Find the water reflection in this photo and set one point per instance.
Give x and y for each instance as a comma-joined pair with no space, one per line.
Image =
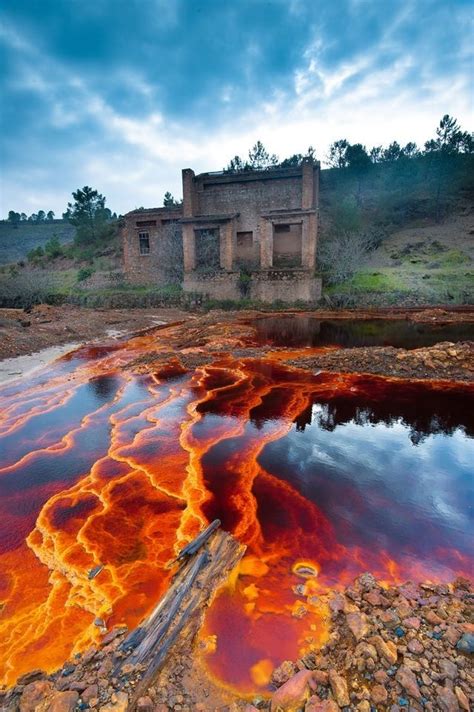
295,331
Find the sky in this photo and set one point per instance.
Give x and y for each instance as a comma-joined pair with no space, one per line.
122,94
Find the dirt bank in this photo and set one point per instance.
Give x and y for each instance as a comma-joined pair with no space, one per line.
44,326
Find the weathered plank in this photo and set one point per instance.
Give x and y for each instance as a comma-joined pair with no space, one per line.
205,564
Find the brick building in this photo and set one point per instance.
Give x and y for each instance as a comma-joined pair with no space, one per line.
260,224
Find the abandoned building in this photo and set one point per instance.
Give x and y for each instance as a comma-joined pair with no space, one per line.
245,234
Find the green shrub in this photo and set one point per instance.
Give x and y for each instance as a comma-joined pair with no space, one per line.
84,273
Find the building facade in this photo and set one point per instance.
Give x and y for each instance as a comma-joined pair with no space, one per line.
247,234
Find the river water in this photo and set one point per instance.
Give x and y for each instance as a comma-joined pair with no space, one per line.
321,476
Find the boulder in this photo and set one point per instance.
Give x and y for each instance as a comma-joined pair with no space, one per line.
63,701
339,688
358,625
34,694
406,678
293,694
447,700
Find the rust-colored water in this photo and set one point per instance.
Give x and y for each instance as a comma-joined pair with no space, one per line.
321,476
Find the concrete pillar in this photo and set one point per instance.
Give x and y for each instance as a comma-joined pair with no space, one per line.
189,201
307,202
266,244
226,240
189,248
309,241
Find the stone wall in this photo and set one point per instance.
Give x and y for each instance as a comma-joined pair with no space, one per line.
265,286
148,268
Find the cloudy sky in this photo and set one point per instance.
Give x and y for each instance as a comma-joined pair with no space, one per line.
122,94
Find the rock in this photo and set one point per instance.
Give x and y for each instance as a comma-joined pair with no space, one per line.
358,625
33,694
389,618
462,699
31,676
247,708
145,704
337,603
452,634
320,677
447,700
466,643
448,669
63,701
387,650
406,678
363,706
366,650
119,704
339,689
415,647
381,677
283,673
366,581
292,694
315,705
378,694
432,618
413,623
89,693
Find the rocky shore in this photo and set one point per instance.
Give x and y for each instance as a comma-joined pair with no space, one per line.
398,648
443,361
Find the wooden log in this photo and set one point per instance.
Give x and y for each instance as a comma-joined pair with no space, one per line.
206,563
201,539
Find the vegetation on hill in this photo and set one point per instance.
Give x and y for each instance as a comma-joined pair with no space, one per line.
395,228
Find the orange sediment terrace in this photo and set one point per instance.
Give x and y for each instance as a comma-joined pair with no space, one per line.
105,467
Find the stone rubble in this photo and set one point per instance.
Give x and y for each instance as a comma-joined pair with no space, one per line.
405,648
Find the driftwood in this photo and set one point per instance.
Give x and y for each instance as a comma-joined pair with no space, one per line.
205,564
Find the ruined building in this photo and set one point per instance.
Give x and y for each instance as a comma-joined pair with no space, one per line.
246,234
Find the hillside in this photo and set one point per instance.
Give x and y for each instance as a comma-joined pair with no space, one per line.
17,240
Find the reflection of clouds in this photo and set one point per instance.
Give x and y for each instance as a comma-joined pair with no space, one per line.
373,480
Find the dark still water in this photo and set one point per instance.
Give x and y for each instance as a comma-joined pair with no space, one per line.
295,330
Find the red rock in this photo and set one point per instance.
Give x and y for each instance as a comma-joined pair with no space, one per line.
283,672
386,650
381,677
389,618
406,678
462,699
358,625
378,694
321,706
34,693
447,700
376,599
337,603
452,634
413,623
339,688
415,647
63,701
320,677
293,693
119,703
31,676
90,692
145,704
247,708
432,618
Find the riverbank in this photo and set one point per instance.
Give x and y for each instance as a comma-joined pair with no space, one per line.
28,332
399,647
25,332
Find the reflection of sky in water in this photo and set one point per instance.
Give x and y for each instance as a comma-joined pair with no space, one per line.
377,486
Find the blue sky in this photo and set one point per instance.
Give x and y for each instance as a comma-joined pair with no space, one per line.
122,94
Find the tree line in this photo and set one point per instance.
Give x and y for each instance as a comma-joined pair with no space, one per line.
40,217
449,139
